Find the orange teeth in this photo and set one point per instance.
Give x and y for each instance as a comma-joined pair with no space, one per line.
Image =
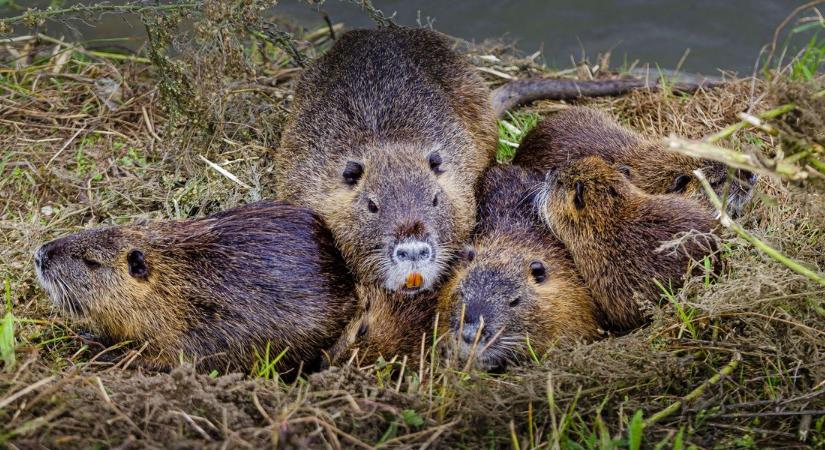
414,280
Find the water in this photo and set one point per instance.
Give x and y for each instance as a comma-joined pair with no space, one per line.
726,34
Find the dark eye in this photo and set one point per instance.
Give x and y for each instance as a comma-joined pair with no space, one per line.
137,264
625,170
362,330
515,302
435,163
468,253
371,206
91,263
578,199
679,184
352,173
538,271
435,200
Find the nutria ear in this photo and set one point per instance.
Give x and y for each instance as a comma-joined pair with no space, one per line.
679,184
468,253
538,271
435,163
352,172
578,199
137,264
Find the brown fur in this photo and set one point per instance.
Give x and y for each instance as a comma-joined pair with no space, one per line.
215,289
387,325
580,131
497,272
387,99
613,230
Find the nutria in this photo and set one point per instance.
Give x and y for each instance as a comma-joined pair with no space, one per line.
615,233
387,324
516,283
389,133
581,131
217,289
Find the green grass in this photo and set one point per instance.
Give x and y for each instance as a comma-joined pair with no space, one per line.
810,61
7,340
510,132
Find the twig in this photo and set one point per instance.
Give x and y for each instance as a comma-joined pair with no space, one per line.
224,172
33,16
726,221
770,114
696,393
732,158
32,387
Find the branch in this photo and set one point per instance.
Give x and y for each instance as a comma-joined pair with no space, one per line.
34,16
726,221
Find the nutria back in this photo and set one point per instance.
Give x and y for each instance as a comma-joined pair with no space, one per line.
389,133
217,289
617,236
580,132
516,289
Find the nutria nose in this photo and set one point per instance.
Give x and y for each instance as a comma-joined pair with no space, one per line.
413,251
470,330
42,255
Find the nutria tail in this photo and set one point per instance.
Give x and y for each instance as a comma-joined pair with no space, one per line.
520,92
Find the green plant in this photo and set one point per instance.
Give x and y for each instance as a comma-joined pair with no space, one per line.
7,341
264,366
510,132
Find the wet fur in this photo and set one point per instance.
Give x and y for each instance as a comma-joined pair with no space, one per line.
581,131
614,239
507,239
216,288
387,98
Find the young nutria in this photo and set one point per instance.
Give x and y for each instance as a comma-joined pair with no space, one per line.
217,289
388,324
614,232
517,285
580,131
389,133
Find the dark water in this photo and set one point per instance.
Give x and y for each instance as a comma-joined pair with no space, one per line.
725,34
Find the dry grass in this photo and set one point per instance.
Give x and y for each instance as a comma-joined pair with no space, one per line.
70,161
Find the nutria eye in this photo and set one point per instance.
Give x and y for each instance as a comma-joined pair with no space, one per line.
515,302
578,199
538,271
435,200
352,173
137,264
467,253
435,163
625,170
90,263
371,206
362,330
679,184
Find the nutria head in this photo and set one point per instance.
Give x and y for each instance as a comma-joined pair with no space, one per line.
392,213
514,287
580,132
588,193
225,284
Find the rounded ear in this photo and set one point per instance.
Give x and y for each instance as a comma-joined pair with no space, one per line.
137,264
538,271
679,184
352,172
435,163
578,198
467,253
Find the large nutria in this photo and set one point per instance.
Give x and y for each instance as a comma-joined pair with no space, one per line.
615,233
517,283
580,131
389,133
389,325
216,289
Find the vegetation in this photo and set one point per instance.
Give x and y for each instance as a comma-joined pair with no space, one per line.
731,361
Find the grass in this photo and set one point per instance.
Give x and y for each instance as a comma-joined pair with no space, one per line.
510,132
730,361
